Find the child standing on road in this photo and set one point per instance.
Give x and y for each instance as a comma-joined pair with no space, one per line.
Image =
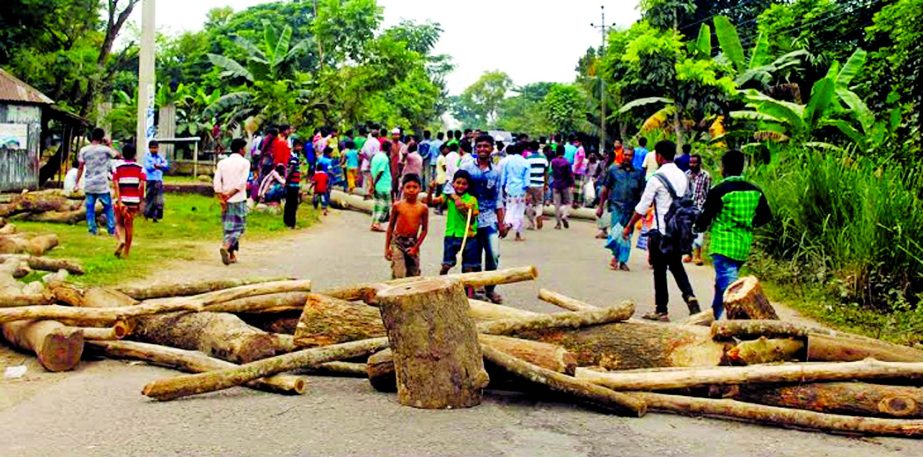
321,187
129,187
462,207
407,230
351,161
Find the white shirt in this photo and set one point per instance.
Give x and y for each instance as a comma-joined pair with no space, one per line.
656,193
232,173
70,182
369,149
451,166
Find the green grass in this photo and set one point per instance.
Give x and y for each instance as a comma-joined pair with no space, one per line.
191,229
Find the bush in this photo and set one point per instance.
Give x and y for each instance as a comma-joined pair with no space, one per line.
846,223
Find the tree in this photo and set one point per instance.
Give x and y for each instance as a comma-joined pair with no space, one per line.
565,108
482,99
524,112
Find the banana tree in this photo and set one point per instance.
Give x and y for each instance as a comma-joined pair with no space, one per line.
760,68
270,81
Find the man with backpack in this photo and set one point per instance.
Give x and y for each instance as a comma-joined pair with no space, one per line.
733,208
672,232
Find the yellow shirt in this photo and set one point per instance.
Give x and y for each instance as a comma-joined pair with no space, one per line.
440,170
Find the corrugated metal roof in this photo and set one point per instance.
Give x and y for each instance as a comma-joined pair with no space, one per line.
14,90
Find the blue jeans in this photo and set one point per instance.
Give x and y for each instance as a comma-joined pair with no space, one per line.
726,272
489,241
106,200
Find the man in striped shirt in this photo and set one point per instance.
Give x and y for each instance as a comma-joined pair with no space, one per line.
538,184
129,187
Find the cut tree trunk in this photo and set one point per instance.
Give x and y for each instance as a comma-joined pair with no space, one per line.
221,335
120,330
91,317
193,362
783,417
327,320
57,347
380,366
89,296
213,299
766,350
574,319
564,301
850,398
21,299
46,263
744,299
437,358
486,311
749,329
36,202
58,217
668,379
579,389
182,386
350,369
269,304
274,323
185,288
366,292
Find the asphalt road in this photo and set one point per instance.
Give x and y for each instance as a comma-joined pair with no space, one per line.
98,410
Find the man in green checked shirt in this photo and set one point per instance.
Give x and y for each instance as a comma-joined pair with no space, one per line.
733,209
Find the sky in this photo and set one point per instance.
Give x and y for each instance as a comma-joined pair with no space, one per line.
530,40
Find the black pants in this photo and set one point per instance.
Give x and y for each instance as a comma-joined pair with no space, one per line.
662,262
291,205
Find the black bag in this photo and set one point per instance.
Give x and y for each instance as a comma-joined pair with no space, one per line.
677,234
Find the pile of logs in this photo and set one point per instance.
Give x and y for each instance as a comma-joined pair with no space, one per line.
424,339
50,205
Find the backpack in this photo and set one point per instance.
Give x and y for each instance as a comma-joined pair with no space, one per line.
423,149
677,235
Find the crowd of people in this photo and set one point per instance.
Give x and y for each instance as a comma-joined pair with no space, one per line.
486,189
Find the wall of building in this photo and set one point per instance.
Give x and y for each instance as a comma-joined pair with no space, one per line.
19,165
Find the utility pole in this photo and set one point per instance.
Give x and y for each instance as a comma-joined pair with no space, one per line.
604,30
146,78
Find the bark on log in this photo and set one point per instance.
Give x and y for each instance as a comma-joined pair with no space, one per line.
748,329
850,398
798,372
17,300
194,362
437,358
89,296
706,317
744,299
215,298
351,369
559,321
380,366
327,320
38,202
8,229
766,350
181,386
579,389
486,311
783,417
269,304
366,292
274,323
57,347
46,263
58,217
221,335
91,317
185,288
564,301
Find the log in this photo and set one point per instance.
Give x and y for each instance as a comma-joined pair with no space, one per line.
57,347
22,299
120,330
216,298
366,292
185,288
783,417
744,299
58,217
89,296
8,229
437,358
564,301
351,369
850,398
274,323
559,321
47,263
181,386
486,311
380,366
38,202
193,362
766,350
90,317
14,244
41,244
747,329
327,320
668,379
220,335
283,344
582,391
270,303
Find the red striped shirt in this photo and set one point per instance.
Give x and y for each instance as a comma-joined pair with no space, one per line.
128,177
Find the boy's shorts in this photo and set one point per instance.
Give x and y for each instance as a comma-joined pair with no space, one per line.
471,258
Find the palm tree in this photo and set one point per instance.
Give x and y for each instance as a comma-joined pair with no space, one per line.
270,80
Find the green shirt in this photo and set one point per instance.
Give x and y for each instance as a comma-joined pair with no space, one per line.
732,209
456,220
360,142
381,164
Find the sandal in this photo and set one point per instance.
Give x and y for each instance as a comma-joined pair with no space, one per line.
495,298
655,316
225,256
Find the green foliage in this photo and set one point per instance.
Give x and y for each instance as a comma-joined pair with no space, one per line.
481,100
564,107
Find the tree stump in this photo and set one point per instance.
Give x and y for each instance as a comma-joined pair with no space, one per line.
57,347
744,299
852,398
437,357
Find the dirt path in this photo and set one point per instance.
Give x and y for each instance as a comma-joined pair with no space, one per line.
98,410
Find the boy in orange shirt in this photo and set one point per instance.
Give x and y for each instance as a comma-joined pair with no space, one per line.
407,230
